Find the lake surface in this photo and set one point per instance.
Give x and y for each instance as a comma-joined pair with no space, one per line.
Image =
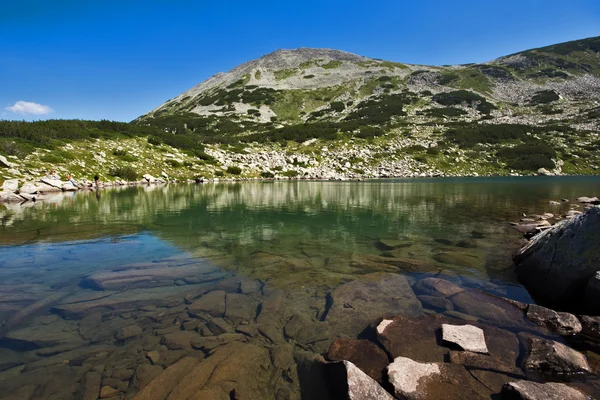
107,289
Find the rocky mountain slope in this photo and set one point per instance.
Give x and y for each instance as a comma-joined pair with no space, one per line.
318,113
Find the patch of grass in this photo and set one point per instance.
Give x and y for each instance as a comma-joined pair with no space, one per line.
285,73
444,112
544,97
258,75
173,163
332,65
290,173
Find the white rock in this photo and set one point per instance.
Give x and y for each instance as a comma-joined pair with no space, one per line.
404,374
5,163
361,386
382,325
10,185
468,337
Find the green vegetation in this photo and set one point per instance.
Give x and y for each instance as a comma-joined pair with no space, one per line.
285,73
544,97
258,75
446,112
234,170
382,110
464,97
332,65
528,156
126,173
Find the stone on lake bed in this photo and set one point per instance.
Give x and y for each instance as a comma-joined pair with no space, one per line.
128,332
468,337
212,303
358,303
365,354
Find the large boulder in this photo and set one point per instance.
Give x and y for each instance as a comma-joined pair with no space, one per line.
557,264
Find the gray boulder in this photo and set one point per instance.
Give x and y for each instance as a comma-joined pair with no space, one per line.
557,264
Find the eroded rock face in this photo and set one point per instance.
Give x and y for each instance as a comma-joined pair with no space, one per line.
559,322
550,357
527,390
590,326
557,264
357,304
362,353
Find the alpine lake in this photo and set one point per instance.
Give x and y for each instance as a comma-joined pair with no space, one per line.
249,283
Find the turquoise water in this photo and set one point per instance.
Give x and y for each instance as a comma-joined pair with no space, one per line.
292,236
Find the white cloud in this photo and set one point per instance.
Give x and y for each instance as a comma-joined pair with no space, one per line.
27,107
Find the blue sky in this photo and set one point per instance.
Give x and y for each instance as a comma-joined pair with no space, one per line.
117,59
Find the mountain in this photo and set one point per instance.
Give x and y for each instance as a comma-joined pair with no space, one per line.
300,85
329,114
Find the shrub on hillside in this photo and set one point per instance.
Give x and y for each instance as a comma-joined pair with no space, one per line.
529,156
126,173
544,97
234,170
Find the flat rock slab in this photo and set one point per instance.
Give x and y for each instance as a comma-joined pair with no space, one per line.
364,354
212,303
433,381
468,337
240,308
526,390
357,304
359,386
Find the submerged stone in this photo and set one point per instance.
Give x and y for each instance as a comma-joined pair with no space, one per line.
363,353
359,303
